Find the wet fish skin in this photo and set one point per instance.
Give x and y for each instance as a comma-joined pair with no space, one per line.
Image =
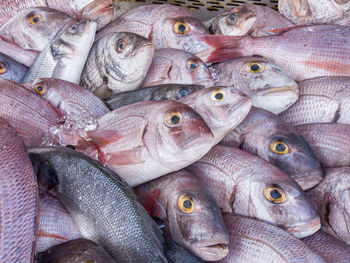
114,219
331,200
304,52
201,230
238,181
30,35
171,65
329,142
18,198
75,251
178,254
117,62
11,69
270,87
158,92
255,241
260,129
329,248
56,226
65,56
248,19
322,100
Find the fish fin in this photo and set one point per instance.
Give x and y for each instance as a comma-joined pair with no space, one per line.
147,199
104,137
127,157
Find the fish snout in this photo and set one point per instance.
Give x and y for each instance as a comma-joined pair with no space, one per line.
213,249
304,230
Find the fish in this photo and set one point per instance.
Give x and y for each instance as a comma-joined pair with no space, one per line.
329,142
65,56
11,69
247,185
178,254
316,11
171,65
189,211
331,200
255,241
167,26
117,62
56,226
322,100
75,251
248,19
103,206
266,135
34,28
19,207
304,52
329,248
269,86
146,140
31,116
158,92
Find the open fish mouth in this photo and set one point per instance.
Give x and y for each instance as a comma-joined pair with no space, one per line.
305,230
211,252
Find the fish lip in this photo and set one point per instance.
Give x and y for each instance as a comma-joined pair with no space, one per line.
197,141
309,180
269,90
140,47
212,251
304,230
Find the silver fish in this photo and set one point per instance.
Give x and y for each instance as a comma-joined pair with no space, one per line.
11,69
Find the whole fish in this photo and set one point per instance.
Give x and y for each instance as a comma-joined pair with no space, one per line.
19,206
178,254
329,248
190,213
329,142
117,62
268,86
31,116
247,185
171,65
146,140
316,11
75,251
65,56
322,100
248,19
56,226
268,136
167,26
34,28
159,92
103,206
304,52
331,200
11,69
255,241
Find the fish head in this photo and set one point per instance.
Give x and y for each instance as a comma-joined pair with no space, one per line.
194,219
11,69
177,134
267,84
222,108
295,10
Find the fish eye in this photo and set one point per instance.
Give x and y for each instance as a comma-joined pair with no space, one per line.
185,204
174,119
279,147
218,95
2,68
192,64
40,88
34,19
121,44
181,27
255,67
275,194
231,19
183,93
73,29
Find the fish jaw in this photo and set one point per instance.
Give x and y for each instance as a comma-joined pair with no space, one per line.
309,180
304,230
211,250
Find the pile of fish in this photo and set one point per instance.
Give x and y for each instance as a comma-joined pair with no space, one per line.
153,136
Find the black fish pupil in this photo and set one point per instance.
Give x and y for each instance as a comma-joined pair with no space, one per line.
1,66
280,147
36,19
120,44
40,88
187,204
254,67
219,96
181,28
175,119
193,66
183,93
275,194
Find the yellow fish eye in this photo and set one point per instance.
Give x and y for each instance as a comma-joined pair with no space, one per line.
3,68
255,67
181,27
35,19
275,194
218,95
185,204
279,147
174,118
40,88
192,64
121,44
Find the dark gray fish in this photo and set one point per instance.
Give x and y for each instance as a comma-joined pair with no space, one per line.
178,254
11,69
159,92
104,207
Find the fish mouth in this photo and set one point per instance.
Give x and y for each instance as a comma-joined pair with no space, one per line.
308,181
269,90
305,230
195,142
211,252
140,48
